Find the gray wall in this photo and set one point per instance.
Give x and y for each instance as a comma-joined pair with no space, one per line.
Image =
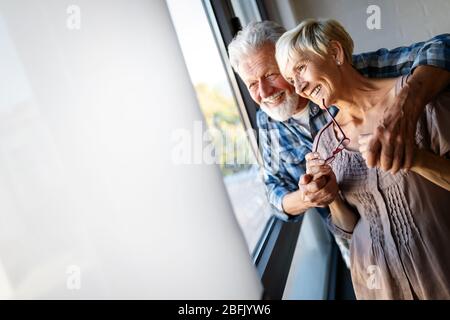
402,21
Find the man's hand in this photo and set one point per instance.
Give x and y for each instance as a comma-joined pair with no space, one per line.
392,144
318,186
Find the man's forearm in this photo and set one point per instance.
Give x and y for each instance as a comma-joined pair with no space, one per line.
293,203
432,167
392,144
426,82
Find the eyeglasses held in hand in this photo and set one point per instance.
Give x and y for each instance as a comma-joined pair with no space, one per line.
343,142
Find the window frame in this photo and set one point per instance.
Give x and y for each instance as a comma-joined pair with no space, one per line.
274,251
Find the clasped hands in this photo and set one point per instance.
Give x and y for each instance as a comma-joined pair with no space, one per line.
318,187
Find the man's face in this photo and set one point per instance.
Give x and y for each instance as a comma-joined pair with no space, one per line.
276,97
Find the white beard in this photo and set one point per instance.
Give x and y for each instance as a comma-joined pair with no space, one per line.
284,110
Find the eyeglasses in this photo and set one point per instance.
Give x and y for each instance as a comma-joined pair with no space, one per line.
342,143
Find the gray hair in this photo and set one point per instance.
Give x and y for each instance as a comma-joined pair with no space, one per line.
312,35
252,37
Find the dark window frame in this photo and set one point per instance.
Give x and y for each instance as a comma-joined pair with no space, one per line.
275,249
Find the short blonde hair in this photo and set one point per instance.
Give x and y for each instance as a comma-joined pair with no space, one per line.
313,36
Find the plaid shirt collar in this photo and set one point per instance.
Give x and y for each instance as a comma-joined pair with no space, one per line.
317,119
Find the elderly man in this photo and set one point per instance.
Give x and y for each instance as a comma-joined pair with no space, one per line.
289,123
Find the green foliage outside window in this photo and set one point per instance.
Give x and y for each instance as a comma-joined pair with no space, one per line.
230,140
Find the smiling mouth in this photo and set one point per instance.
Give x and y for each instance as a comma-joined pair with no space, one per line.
316,91
275,99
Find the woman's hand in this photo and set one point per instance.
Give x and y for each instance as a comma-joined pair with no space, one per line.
341,214
318,174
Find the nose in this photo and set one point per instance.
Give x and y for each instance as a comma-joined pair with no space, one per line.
265,89
300,87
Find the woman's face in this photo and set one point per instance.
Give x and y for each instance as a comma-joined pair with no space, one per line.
314,78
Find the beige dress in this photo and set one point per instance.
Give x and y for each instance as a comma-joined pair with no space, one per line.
400,247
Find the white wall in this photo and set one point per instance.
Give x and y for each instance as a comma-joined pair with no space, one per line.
281,11
402,21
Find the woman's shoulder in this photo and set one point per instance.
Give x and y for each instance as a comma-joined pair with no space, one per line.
400,83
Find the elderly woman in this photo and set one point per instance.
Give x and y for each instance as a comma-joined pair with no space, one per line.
399,225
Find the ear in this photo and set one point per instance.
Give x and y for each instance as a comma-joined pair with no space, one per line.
336,51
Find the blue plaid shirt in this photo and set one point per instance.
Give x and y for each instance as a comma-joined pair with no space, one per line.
284,144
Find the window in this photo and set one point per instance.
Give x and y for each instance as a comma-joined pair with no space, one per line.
238,163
